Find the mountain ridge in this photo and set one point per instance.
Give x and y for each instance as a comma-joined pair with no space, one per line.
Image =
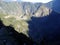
20,8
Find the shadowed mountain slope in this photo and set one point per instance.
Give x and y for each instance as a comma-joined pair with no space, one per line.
45,30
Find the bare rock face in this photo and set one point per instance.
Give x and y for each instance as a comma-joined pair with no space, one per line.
56,6
42,11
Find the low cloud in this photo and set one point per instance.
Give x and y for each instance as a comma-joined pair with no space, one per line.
44,1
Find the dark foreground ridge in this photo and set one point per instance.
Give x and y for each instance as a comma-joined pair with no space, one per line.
8,36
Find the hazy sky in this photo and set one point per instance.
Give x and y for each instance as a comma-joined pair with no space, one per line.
44,1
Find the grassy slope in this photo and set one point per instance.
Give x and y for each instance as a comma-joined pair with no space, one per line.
19,25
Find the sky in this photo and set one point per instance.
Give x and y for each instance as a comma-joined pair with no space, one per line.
34,1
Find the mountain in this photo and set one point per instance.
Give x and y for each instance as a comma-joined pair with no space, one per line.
43,28
21,8
17,13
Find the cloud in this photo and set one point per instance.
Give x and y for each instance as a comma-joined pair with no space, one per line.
44,1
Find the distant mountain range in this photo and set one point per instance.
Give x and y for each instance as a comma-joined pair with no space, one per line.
25,8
